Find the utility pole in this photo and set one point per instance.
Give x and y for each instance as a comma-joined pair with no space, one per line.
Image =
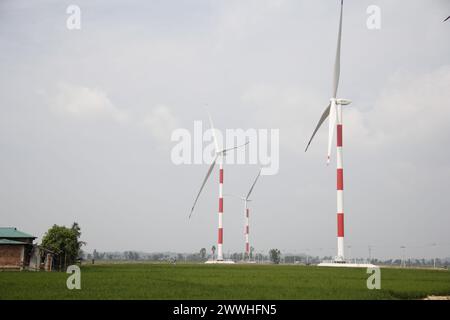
434,254
349,255
403,263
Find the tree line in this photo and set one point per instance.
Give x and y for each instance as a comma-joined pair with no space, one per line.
66,245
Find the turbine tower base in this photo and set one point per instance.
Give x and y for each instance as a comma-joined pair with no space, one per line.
219,262
346,264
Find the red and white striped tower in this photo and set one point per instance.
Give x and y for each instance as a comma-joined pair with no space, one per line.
247,243
340,185
220,155
220,234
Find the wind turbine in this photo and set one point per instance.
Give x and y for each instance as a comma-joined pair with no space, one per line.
334,112
246,199
219,157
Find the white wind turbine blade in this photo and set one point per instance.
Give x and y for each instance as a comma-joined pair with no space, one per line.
216,144
204,182
337,62
321,120
331,126
235,147
253,185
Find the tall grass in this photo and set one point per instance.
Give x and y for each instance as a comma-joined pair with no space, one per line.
197,281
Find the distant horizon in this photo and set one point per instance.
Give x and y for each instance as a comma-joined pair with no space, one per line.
265,251
446,259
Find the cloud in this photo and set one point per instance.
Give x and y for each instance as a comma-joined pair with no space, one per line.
239,19
91,103
161,122
294,111
84,102
410,109
415,105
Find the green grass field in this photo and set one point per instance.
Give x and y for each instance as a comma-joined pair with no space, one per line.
198,281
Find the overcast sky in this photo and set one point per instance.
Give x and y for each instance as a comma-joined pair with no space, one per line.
86,118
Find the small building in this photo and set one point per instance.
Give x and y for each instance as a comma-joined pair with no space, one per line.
41,258
15,248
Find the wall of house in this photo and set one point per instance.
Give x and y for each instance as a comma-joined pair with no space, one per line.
11,255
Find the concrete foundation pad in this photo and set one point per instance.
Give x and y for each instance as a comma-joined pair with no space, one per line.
347,265
219,262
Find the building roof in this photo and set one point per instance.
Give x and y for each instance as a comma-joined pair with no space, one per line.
6,241
14,233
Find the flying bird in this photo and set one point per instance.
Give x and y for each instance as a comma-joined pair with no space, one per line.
447,18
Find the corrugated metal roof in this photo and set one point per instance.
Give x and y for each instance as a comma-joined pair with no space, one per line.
13,233
6,241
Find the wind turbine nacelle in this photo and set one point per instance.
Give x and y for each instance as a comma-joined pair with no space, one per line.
343,102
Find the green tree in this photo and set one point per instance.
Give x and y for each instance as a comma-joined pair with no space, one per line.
77,231
275,255
203,253
213,249
65,242
251,252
